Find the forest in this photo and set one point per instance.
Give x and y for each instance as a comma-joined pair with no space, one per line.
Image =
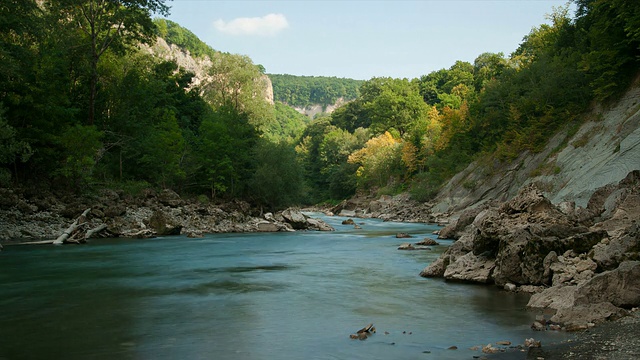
302,91
84,106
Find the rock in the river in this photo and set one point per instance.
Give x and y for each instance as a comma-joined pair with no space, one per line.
295,218
427,242
406,246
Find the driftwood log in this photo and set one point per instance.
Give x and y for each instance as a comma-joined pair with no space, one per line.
364,333
95,231
65,237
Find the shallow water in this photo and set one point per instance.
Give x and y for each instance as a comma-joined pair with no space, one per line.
248,296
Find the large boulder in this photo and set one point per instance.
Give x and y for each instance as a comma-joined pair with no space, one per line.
456,229
295,218
603,297
458,249
514,239
162,224
610,252
170,198
621,287
471,268
318,225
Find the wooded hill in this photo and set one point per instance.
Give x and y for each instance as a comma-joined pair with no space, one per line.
303,91
83,110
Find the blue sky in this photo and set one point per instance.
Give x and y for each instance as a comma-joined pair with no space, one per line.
361,39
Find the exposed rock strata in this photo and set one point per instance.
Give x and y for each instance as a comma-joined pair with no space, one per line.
583,255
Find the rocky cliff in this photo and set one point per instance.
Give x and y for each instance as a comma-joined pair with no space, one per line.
199,66
561,223
315,109
573,165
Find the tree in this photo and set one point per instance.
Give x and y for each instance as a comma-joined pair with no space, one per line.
392,104
11,148
236,82
108,24
277,180
380,161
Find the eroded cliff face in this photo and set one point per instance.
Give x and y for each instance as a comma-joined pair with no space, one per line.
602,152
199,66
313,110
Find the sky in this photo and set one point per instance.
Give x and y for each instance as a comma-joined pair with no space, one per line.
361,39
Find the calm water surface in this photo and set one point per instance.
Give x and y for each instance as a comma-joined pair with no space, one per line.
248,296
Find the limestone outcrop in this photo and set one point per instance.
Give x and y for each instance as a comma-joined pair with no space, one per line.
570,168
583,256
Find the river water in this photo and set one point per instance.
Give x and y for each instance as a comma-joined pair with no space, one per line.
248,296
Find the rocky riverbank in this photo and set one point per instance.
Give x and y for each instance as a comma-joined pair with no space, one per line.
34,216
580,263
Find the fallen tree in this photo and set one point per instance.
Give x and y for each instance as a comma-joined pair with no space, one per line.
70,235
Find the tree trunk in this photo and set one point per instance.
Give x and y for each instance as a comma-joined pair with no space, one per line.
65,235
94,231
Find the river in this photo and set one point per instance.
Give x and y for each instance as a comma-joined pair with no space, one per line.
248,296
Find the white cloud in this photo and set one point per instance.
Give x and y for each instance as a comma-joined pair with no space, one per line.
267,25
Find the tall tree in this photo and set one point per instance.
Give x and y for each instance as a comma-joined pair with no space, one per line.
108,24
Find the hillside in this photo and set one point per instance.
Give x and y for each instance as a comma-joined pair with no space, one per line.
313,95
570,168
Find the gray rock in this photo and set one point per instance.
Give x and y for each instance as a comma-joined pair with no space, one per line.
406,246
470,267
621,287
610,252
295,218
427,242
319,225
170,198
436,268
266,226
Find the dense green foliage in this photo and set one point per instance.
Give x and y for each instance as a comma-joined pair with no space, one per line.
175,34
302,91
82,109
425,130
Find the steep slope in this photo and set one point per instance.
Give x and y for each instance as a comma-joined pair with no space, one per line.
197,65
572,166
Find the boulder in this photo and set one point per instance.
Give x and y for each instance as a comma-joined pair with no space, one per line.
610,252
427,242
318,225
162,224
266,226
471,268
621,287
601,298
580,316
170,198
295,218
436,268
406,246
455,230
403,235
553,298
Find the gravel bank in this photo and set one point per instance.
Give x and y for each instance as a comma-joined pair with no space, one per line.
614,340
